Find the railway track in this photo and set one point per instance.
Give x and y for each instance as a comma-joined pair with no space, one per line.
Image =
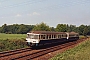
29,54
12,52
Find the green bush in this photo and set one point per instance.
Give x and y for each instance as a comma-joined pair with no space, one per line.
2,46
12,44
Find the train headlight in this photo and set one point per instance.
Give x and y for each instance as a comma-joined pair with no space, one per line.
34,41
67,37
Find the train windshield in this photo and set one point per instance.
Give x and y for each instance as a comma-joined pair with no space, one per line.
31,36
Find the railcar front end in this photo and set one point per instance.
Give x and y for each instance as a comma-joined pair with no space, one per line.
32,39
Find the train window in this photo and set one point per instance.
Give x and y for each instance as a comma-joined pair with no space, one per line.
72,35
49,36
46,36
39,36
31,36
59,36
65,35
35,36
77,35
54,36
43,36
62,35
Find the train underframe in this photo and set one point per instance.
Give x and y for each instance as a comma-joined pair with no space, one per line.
51,41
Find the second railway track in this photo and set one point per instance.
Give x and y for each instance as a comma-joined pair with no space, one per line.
12,52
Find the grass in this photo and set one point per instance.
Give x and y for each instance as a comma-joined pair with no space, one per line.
12,36
80,52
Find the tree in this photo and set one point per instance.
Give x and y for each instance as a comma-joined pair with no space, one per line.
52,28
22,29
85,31
13,28
88,30
41,27
16,28
4,28
61,28
72,28
81,29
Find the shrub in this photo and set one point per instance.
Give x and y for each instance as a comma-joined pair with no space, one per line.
12,44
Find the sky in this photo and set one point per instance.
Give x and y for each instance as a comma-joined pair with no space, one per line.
51,12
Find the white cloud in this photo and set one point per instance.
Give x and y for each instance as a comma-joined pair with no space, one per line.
18,15
34,14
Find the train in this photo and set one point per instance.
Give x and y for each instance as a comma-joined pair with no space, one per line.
40,38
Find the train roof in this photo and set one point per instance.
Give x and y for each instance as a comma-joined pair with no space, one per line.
73,33
50,32
46,32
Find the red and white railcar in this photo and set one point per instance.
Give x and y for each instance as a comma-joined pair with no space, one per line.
37,38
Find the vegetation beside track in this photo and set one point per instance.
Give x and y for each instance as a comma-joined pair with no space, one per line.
80,52
6,45
12,41
81,37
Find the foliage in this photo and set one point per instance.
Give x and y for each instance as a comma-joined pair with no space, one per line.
41,27
85,31
52,29
16,29
72,28
61,28
12,44
80,52
81,29
4,28
12,41
23,29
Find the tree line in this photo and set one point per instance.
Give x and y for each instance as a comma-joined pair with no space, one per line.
23,29
16,28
